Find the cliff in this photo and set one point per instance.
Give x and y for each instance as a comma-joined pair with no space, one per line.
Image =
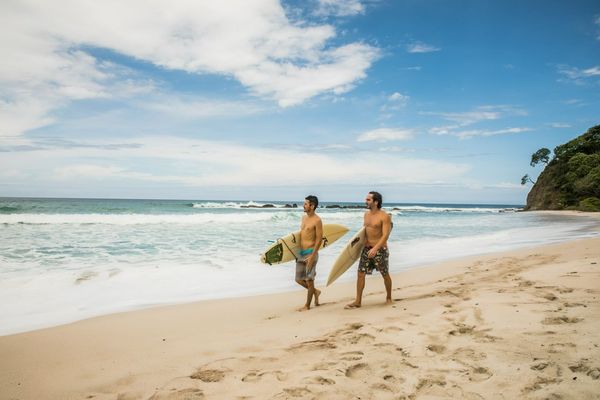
571,180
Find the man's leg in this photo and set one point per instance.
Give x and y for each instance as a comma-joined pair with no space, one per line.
387,280
360,285
309,293
302,283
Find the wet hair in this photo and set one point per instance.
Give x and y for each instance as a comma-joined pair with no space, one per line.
313,200
378,198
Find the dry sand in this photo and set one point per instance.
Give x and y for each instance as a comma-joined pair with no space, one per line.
520,324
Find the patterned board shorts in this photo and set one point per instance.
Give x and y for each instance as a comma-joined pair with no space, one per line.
301,269
379,262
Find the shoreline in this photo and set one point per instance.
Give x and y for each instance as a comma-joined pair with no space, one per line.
414,250
451,312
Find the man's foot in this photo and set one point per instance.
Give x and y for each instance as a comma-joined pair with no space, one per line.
388,301
352,305
317,294
305,308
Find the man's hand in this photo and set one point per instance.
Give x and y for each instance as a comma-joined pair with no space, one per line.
372,253
310,262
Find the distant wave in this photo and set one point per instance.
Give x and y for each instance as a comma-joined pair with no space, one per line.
451,209
9,209
249,204
133,219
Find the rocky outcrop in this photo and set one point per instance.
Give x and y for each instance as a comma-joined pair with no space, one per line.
571,180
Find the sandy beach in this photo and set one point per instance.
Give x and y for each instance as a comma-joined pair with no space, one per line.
519,324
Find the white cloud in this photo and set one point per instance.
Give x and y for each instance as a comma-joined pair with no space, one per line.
398,97
485,132
385,135
420,47
395,102
577,75
559,125
339,8
480,114
202,163
44,50
198,108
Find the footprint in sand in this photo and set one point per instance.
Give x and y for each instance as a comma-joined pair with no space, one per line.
560,347
565,289
479,374
539,383
540,366
359,370
318,380
183,394
526,283
384,344
430,382
361,338
561,320
547,295
393,379
209,375
255,376
462,329
324,366
382,387
391,329
313,345
352,356
297,392
436,348
463,353
583,367
570,305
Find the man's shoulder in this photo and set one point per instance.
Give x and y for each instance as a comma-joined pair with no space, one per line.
384,215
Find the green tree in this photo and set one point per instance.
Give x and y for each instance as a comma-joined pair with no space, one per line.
542,155
526,179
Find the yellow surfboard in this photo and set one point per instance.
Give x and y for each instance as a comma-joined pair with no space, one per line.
287,248
348,256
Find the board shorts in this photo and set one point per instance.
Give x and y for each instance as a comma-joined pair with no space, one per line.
301,271
379,262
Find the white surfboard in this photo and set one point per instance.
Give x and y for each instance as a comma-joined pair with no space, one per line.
348,256
287,248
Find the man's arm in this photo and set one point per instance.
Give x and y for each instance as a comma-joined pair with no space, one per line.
318,241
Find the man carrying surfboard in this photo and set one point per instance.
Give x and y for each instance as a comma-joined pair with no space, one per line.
375,254
311,234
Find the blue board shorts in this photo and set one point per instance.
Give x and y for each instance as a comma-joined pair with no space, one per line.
301,268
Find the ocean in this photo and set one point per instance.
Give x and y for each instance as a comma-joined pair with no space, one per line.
63,260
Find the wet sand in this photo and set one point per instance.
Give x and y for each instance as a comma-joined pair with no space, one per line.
519,324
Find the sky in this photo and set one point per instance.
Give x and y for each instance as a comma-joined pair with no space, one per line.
429,101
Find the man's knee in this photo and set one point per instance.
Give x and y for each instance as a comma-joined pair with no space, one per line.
300,282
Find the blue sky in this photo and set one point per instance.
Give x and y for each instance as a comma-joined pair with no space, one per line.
425,101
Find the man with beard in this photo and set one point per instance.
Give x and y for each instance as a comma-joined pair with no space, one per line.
375,254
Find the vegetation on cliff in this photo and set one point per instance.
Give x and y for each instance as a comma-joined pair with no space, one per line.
571,179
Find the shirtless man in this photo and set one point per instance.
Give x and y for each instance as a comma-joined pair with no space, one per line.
311,234
375,254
